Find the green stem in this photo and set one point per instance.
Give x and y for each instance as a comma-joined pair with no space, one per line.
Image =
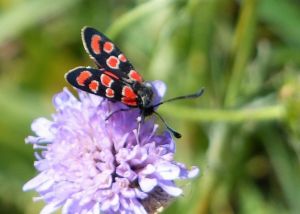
215,154
242,46
216,115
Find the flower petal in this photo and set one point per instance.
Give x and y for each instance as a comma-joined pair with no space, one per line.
168,171
137,207
149,169
139,194
170,188
159,89
96,209
147,184
51,207
67,206
103,180
45,186
63,99
128,193
185,173
125,171
193,172
36,181
42,127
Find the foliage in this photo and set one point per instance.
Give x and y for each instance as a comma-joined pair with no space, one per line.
243,133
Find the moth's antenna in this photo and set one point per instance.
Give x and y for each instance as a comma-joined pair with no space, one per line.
189,96
175,134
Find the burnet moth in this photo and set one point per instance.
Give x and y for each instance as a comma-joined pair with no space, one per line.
115,78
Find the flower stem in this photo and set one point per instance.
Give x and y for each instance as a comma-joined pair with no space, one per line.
214,115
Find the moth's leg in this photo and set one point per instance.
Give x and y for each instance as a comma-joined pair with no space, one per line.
116,111
141,119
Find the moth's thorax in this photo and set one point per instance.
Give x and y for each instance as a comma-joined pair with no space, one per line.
145,94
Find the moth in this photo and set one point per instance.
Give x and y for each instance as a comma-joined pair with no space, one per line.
115,78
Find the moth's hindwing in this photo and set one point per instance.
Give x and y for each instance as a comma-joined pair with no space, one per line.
103,83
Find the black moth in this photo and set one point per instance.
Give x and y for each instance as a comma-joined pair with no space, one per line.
115,78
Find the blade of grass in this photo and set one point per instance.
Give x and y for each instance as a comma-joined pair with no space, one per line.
30,13
143,10
242,46
283,18
285,166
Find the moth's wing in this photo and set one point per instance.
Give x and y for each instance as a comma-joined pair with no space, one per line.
102,83
107,55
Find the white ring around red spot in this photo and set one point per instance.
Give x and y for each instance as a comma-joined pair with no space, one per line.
94,86
109,93
122,58
106,80
108,47
113,62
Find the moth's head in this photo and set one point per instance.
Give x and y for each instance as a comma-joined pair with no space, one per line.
145,94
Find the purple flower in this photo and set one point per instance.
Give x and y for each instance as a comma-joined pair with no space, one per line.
89,165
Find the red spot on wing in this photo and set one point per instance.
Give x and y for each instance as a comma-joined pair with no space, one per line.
106,80
113,62
95,44
134,75
111,74
82,77
128,101
93,86
128,93
108,47
122,58
110,93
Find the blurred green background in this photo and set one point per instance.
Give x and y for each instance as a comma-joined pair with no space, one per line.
243,133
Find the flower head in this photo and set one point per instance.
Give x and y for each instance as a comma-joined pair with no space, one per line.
89,165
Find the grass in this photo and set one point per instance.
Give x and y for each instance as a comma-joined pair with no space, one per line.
243,132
